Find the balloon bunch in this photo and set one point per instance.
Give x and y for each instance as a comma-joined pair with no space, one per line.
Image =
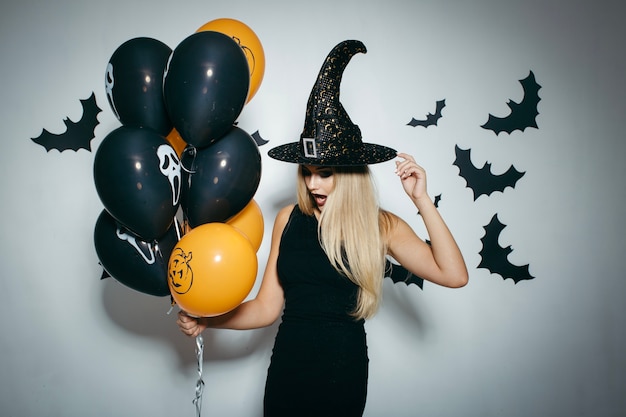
177,154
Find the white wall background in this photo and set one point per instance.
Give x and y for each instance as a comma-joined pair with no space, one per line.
73,345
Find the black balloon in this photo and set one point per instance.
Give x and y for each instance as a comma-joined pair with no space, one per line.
221,179
205,86
135,263
138,179
134,84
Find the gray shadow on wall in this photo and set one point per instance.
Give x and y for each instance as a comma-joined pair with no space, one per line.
399,302
147,316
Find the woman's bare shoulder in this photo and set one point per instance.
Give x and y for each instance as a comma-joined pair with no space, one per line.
285,211
283,215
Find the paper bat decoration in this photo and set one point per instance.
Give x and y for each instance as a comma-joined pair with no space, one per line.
258,139
523,114
436,202
482,180
105,274
398,273
431,119
77,134
494,256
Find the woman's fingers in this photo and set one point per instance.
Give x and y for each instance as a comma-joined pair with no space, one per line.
408,167
187,324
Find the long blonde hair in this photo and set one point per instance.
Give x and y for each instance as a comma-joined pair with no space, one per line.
352,231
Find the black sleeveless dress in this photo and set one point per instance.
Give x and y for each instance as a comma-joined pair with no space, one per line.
319,363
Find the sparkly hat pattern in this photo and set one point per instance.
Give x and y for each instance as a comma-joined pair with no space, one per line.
329,137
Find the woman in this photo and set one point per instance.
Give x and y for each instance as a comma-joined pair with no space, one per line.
327,258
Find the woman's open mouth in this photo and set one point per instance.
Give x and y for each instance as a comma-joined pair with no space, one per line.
319,199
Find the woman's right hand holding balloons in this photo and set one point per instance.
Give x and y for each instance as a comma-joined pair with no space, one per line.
191,326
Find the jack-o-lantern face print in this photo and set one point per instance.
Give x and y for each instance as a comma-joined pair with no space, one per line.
180,272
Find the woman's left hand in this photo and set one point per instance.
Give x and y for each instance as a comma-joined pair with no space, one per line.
413,177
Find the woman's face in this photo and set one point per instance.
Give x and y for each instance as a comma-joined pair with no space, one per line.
319,181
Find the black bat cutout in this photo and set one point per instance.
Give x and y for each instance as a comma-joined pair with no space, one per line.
105,274
258,139
431,119
523,114
436,202
482,180
494,256
397,273
77,134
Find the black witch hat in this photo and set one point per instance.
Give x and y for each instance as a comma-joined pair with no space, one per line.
329,137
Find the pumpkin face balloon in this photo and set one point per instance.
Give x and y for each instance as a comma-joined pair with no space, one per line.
180,274
211,270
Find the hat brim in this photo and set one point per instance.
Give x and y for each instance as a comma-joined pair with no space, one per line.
370,153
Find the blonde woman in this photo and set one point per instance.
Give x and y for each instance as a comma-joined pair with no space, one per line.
327,258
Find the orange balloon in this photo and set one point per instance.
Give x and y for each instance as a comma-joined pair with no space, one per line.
249,42
177,142
249,221
211,270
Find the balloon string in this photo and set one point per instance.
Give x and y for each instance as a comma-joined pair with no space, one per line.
200,384
172,304
158,253
178,228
